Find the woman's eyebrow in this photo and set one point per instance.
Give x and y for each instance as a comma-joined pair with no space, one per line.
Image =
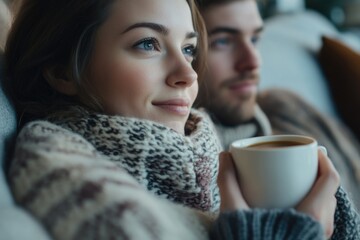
192,35
154,26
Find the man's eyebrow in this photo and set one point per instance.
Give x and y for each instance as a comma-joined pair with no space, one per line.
158,28
231,30
223,30
259,29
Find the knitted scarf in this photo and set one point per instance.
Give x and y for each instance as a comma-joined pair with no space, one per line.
169,164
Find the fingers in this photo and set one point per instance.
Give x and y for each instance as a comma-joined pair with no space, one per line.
328,176
320,203
231,197
327,183
330,220
323,150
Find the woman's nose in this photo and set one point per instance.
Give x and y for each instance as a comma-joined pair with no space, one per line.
182,74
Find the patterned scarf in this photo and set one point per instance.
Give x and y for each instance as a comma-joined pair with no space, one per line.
169,164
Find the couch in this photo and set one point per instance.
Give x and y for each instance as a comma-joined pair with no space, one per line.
15,222
289,47
304,53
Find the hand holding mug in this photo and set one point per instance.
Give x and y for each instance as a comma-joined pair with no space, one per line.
230,194
322,179
320,202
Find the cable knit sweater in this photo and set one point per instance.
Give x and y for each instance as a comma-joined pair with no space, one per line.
91,176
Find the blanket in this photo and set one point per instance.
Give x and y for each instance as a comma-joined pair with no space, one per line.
288,113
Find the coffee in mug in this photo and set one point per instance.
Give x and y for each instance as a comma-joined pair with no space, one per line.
274,144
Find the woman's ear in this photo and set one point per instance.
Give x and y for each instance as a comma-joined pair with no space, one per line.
58,79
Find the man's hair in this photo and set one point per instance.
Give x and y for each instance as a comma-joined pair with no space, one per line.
203,4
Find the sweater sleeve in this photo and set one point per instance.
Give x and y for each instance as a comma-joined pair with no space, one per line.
347,219
288,224
76,194
266,225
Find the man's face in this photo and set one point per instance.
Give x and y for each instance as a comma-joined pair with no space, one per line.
233,62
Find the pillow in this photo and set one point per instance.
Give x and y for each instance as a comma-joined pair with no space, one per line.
341,66
299,36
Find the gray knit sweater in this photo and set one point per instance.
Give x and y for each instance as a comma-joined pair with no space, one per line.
261,224
286,224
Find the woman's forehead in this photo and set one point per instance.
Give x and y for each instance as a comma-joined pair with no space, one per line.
174,13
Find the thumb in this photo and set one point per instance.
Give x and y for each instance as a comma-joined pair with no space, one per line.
231,197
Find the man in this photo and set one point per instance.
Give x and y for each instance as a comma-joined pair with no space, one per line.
232,77
230,91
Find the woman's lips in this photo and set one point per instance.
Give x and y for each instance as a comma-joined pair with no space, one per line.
175,106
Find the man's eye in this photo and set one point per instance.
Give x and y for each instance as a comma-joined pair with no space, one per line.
255,39
147,44
220,42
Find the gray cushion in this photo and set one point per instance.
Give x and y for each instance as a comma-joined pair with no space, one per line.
8,118
17,224
7,131
289,49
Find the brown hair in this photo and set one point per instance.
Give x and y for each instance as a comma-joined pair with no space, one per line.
60,35
203,4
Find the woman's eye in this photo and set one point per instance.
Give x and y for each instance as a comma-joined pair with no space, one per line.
190,51
148,44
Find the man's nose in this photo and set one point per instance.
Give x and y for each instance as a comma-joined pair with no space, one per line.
247,57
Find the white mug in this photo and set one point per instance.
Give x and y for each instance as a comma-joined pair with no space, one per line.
277,176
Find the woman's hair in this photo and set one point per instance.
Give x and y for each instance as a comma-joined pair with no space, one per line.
59,36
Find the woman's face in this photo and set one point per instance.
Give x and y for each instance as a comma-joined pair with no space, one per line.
141,65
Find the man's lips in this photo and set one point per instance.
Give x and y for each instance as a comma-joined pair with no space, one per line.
243,86
175,106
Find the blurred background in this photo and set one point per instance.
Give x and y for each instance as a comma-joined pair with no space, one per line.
344,14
